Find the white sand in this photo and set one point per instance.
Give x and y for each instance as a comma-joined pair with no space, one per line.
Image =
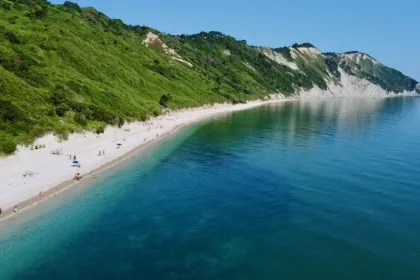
51,170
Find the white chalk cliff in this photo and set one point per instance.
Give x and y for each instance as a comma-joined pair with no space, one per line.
355,74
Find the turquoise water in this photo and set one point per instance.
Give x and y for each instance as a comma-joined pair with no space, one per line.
298,190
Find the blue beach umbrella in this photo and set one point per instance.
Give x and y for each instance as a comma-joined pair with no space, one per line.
75,162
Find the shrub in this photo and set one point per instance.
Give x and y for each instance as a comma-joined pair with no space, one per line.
9,112
7,145
164,99
144,118
60,95
64,135
12,20
120,121
5,5
62,109
12,37
41,13
62,131
104,115
100,129
79,107
38,13
162,71
80,118
156,112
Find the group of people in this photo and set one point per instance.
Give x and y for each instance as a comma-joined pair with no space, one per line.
14,210
70,157
28,173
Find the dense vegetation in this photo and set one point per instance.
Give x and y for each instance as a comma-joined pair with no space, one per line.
245,70
332,60
304,45
64,69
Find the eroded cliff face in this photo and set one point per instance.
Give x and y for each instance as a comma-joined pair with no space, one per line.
345,74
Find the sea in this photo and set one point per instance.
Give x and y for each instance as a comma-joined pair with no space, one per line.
312,189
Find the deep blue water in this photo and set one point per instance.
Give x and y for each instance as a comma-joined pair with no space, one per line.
298,190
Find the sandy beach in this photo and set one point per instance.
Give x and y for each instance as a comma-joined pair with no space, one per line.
30,176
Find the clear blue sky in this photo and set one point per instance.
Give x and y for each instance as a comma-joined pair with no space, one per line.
389,30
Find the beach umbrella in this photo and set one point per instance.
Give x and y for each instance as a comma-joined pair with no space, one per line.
119,144
75,162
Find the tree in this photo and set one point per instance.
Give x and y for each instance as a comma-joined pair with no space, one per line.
38,13
72,6
304,45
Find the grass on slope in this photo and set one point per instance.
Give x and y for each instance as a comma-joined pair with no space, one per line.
59,70
66,69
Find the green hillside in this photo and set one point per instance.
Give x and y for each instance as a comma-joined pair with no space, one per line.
65,69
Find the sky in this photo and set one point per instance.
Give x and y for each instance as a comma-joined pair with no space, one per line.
388,30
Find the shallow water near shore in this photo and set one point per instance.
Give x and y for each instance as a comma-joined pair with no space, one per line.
296,190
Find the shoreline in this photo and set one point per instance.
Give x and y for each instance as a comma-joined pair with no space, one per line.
49,191
59,183
87,178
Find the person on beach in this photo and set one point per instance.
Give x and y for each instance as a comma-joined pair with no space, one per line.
74,158
103,152
69,157
100,154
0,211
77,177
16,209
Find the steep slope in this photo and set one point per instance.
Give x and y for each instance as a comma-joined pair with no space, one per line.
64,69
366,67
347,74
